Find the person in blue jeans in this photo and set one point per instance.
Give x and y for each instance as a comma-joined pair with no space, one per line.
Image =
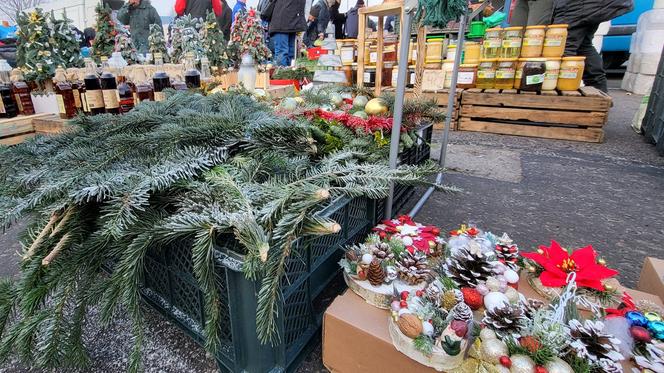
287,20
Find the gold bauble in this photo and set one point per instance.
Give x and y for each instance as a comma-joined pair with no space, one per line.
522,364
492,349
558,365
376,106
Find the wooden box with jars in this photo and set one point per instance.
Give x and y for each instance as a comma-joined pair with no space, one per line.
577,115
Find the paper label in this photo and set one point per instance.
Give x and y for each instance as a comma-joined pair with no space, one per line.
465,77
505,74
551,75
395,76
373,57
534,79
347,55
111,98
95,99
84,103
2,107
136,99
553,42
492,43
61,104
19,103
412,78
513,43
488,74
366,77
568,74
77,98
532,42
159,96
414,54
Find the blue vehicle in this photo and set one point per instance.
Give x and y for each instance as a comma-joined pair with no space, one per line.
615,47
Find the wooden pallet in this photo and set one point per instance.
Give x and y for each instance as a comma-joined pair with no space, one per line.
18,129
565,115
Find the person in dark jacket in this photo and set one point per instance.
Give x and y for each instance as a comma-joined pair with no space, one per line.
139,15
532,12
319,17
198,8
287,21
225,21
352,20
88,37
338,20
583,18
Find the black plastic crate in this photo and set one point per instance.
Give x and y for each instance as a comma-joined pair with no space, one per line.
170,287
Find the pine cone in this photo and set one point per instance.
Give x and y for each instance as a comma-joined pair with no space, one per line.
413,268
506,320
376,275
351,256
531,306
469,267
507,252
462,312
590,342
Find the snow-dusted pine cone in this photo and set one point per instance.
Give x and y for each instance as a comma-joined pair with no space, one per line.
530,306
506,320
507,252
462,312
590,342
469,267
413,268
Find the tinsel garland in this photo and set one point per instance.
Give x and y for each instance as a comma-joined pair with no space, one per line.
369,125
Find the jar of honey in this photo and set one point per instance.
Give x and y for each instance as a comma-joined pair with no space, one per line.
486,73
448,67
530,74
347,52
554,41
471,52
533,39
493,38
434,50
369,77
467,75
511,44
571,73
505,71
551,74
451,52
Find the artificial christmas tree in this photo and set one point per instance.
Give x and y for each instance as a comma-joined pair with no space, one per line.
157,42
214,42
248,37
186,38
104,43
66,47
35,52
125,46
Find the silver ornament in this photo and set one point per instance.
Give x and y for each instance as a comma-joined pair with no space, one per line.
522,364
491,350
391,274
558,365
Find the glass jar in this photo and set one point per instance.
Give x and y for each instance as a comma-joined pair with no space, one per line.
511,44
410,76
369,77
492,42
551,74
386,79
467,76
471,52
505,70
531,74
434,50
486,73
448,67
373,54
347,52
451,52
571,73
554,41
533,39
390,51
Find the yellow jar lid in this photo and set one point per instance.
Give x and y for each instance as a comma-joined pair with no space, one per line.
533,59
553,58
536,27
493,29
559,26
507,59
448,61
451,46
488,60
468,65
471,43
513,28
574,58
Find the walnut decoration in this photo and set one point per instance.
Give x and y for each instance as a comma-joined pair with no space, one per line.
410,325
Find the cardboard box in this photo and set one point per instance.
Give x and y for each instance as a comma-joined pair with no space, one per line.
652,277
356,337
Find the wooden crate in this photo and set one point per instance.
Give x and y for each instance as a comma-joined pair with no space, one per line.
565,115
18,129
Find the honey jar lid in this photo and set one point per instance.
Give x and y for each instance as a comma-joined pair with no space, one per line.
536,27
534,59
574,58
468,65
563,25
507,59
513,28
493,29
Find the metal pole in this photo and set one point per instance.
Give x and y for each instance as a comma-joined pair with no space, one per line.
398,102
448,118
506,9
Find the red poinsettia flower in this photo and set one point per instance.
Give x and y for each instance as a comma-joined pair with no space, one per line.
558,264
626,305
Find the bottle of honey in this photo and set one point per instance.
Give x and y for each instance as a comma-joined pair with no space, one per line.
72,77
21,92
64,94
125,90
142,87
160,79
94,98
109,88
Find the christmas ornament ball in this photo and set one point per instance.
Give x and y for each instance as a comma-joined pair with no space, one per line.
505,361
636,318
360,101
486,334
657,328
640,333
493,284
522,364
376,106
558,365
395,305
541,369
512,294
472,298
501,369
367,258
482,289
427,328
492,350
494,299
653,316
511,276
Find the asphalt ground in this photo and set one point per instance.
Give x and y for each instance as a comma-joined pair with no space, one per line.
608,195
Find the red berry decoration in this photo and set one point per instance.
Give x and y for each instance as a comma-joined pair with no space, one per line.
514,285
460,327
505,361
640,334
419,293
403,304
472,298
404,295
540,369
530,343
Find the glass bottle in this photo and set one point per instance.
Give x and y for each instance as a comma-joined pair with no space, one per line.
160,79
72,77
192,77
21,92
8,108
109,88
142,88
64,94
93,94
125,91
206,76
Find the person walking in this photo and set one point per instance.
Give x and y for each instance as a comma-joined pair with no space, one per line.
583,18
532,12
139,15
352,20
319,17
287,20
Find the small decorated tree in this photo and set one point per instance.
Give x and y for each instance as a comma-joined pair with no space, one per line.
187,37
157,42
124,45
66,47
248,36
214,43
104,43
35,53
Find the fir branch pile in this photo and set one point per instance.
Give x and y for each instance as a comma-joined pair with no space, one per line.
190,167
